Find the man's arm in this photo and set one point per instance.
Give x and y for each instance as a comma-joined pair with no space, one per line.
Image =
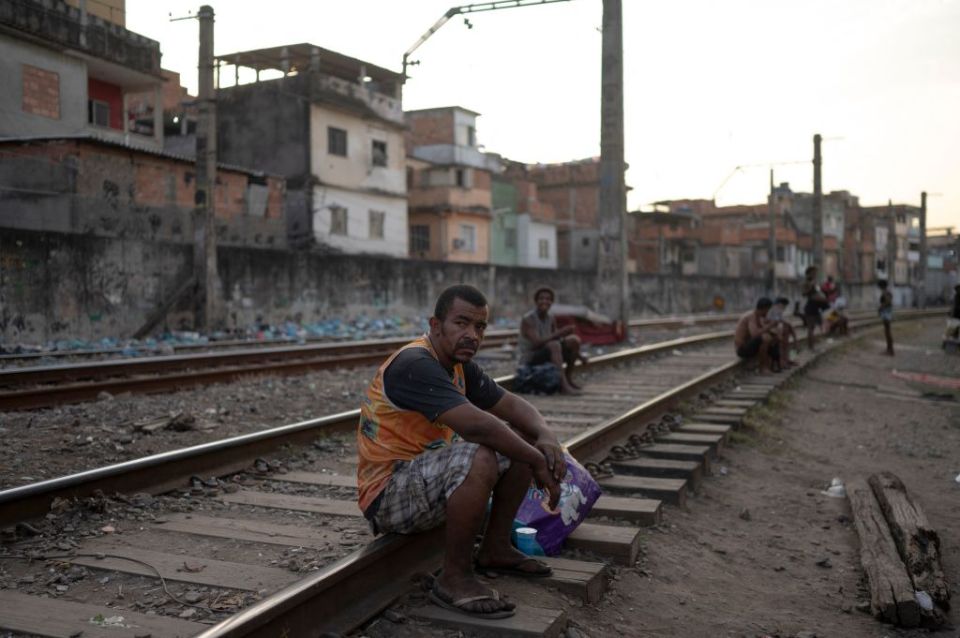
477,426
518,412
530,332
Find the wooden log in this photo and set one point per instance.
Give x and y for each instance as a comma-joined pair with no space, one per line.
891,592
917,542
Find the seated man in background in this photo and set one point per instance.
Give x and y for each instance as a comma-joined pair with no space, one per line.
787,333
541,341
755,337
437,437
837,322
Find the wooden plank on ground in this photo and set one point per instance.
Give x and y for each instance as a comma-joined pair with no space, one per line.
715,441
54,618
714,409
183,568
582,579
891,592
916,540
620,544
712,417
318,478
669,490
330,506
698,453
526,623
251,531
662,467
706,428
642,511
735,403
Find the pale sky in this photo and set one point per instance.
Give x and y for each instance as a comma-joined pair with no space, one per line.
710,84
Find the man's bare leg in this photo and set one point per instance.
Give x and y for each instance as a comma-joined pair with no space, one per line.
496,549
571,354
556,358
888,333
764,365
466,508
810,328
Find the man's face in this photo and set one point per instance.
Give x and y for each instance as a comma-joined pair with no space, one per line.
544,300
762,312
458,337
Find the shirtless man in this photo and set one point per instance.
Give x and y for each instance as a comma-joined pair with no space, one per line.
754,336
437,437
885,310
541,341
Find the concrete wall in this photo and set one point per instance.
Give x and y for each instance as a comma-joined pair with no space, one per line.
358,206
529,235
356,170
72,75
55,286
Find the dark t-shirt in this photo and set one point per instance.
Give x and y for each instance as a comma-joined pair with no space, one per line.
416,381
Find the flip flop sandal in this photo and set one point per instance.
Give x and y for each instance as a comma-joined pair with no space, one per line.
515,570
460,604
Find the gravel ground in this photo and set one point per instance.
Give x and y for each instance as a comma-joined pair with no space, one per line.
44,444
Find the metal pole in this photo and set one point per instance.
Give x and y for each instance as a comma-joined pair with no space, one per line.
612,247
817,214
772,243
205,246
922,270
891,245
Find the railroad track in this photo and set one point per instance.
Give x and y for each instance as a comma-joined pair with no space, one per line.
45,385
234,550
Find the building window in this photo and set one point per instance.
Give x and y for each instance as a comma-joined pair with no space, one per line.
376,224
336,141
419,239
338,220
41,92
461,177
379,153
780,256
471,136
98,113
510,238
467,242
544,247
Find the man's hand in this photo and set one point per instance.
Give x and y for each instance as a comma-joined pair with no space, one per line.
545,481
565,331
549,446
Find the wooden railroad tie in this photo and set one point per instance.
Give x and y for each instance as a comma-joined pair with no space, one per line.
692,471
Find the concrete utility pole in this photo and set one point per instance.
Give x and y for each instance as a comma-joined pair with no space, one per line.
891,244
612,248
772,243
204,223
922,270
817,214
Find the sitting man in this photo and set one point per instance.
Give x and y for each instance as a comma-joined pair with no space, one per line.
754,336
541,341
786,331
437,437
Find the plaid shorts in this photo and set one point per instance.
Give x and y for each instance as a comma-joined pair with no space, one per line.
415,498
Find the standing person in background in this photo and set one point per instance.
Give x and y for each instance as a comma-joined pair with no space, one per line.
816,301
886,313
541,341
830,290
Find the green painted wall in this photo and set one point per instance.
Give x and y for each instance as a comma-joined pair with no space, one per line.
503,226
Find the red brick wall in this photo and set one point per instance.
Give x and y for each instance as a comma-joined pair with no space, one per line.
430,128
41,92
112,95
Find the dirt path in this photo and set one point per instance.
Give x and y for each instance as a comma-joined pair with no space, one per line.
792,564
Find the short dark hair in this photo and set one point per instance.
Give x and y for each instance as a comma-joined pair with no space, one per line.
783,301
809,270
763,302
460,291
553,293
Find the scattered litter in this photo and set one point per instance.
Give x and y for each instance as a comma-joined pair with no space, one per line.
677,352
836,489
109,621
957,479
723,470
923,599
